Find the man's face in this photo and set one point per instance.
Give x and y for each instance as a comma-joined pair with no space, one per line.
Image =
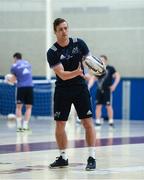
62,31
15,59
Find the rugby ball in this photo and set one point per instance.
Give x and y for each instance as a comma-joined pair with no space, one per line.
11,120
11,116
9,79
96,65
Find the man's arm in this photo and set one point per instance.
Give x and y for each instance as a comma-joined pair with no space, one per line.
116,77
66,75
13,78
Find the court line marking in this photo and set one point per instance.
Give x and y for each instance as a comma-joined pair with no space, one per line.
40,146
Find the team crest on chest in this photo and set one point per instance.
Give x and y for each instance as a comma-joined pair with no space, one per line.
75,50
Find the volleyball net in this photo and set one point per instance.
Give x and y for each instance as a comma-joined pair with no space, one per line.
43,98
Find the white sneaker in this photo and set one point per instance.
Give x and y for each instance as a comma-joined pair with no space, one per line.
26,129
98,122
111,122
19,129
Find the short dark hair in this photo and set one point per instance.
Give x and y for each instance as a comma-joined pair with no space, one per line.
104,56
17,55
57,22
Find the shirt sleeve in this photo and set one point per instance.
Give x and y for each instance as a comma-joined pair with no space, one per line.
12,70
52,58
113,70
83,47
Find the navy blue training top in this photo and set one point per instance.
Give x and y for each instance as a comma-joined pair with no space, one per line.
106,81
69,56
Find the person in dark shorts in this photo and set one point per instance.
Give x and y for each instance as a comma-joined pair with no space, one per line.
22,71
65,58
105,86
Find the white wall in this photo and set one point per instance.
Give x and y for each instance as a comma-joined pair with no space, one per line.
111,27
22,29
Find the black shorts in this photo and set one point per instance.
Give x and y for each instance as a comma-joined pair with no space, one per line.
64,97
103,97
25,95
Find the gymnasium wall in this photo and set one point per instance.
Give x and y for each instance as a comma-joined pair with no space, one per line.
22,29
114,28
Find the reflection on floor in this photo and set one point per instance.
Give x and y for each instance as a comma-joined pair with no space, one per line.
119,151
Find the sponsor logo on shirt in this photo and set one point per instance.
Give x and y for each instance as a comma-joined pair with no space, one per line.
75,50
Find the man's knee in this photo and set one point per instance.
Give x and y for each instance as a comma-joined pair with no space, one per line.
60,125
87,123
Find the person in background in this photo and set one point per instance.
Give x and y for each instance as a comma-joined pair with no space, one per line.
106,85
65,58
22,73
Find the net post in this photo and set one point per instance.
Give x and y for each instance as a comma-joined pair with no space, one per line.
48,34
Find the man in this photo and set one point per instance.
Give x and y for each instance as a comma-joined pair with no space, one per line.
105,86
65,58
22,71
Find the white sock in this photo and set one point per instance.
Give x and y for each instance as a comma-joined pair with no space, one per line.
98,121
25,124
111,121
19,122
91,152
63,154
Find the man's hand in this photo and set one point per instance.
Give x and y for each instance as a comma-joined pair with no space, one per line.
79,70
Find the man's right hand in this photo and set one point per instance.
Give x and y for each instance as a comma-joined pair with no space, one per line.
79,70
